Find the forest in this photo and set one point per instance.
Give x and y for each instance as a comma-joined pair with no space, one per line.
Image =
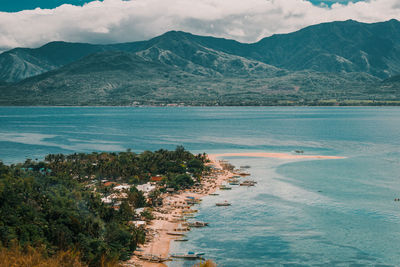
55,206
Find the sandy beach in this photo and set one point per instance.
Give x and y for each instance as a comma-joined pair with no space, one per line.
174,206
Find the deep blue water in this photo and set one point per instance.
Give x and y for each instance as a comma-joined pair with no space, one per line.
301,213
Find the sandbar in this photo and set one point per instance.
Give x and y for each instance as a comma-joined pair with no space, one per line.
273,155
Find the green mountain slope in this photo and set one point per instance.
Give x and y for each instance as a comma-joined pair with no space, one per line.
346,46
321,64
124,78
20,63
336,47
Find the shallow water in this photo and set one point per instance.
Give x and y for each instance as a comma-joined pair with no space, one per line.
301,213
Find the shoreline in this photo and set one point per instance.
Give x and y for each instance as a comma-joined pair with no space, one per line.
174,207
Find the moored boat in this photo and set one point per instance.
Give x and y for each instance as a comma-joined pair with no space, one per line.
198,224
176,233
153,258
224,187
248,183
225,203
190,255
181,240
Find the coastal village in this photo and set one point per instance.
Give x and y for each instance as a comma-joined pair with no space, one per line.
119,208
167,216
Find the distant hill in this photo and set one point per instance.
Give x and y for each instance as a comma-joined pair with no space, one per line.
346,46
124,78
326,63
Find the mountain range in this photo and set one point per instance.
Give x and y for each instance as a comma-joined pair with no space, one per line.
345,62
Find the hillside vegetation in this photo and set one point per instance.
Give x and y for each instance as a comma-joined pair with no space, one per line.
338,63
57,210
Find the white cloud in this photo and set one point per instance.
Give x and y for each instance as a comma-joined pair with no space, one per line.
122,21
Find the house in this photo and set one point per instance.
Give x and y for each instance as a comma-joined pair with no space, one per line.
113,197
122,187
156,178
107,184
138,223
146,188
139,210
170,190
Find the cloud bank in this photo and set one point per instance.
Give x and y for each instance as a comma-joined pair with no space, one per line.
113,21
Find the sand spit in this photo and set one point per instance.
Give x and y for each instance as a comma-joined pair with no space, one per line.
169,217
274,155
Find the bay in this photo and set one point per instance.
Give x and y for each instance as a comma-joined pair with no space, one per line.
301,213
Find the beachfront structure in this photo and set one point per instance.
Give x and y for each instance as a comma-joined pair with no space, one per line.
138,223
146,188
113,197
156,179
122,187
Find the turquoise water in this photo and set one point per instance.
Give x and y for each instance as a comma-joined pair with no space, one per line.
301,213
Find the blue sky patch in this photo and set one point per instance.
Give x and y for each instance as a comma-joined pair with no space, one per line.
18,5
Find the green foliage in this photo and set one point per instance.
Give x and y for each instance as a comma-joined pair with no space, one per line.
147,215
60,214
180,181
136,198
53,204
124,166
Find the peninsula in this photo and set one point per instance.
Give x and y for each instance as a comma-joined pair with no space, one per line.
106,206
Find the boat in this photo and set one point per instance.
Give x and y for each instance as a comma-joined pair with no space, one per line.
224,187
213,194
176,233
181,240
244,174
225,203
299,151
198,224
190,255
153,258
181,228
245,167
234,183
189,211
248,183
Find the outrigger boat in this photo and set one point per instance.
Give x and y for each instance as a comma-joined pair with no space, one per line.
197,224
176,233
248,183
181,240
190,255
224,187
153,258
189,211
225,203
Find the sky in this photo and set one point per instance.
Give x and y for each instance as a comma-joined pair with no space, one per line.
32,23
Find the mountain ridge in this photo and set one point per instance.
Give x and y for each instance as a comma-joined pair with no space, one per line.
337,60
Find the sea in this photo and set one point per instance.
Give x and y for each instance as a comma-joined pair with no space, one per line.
336,212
